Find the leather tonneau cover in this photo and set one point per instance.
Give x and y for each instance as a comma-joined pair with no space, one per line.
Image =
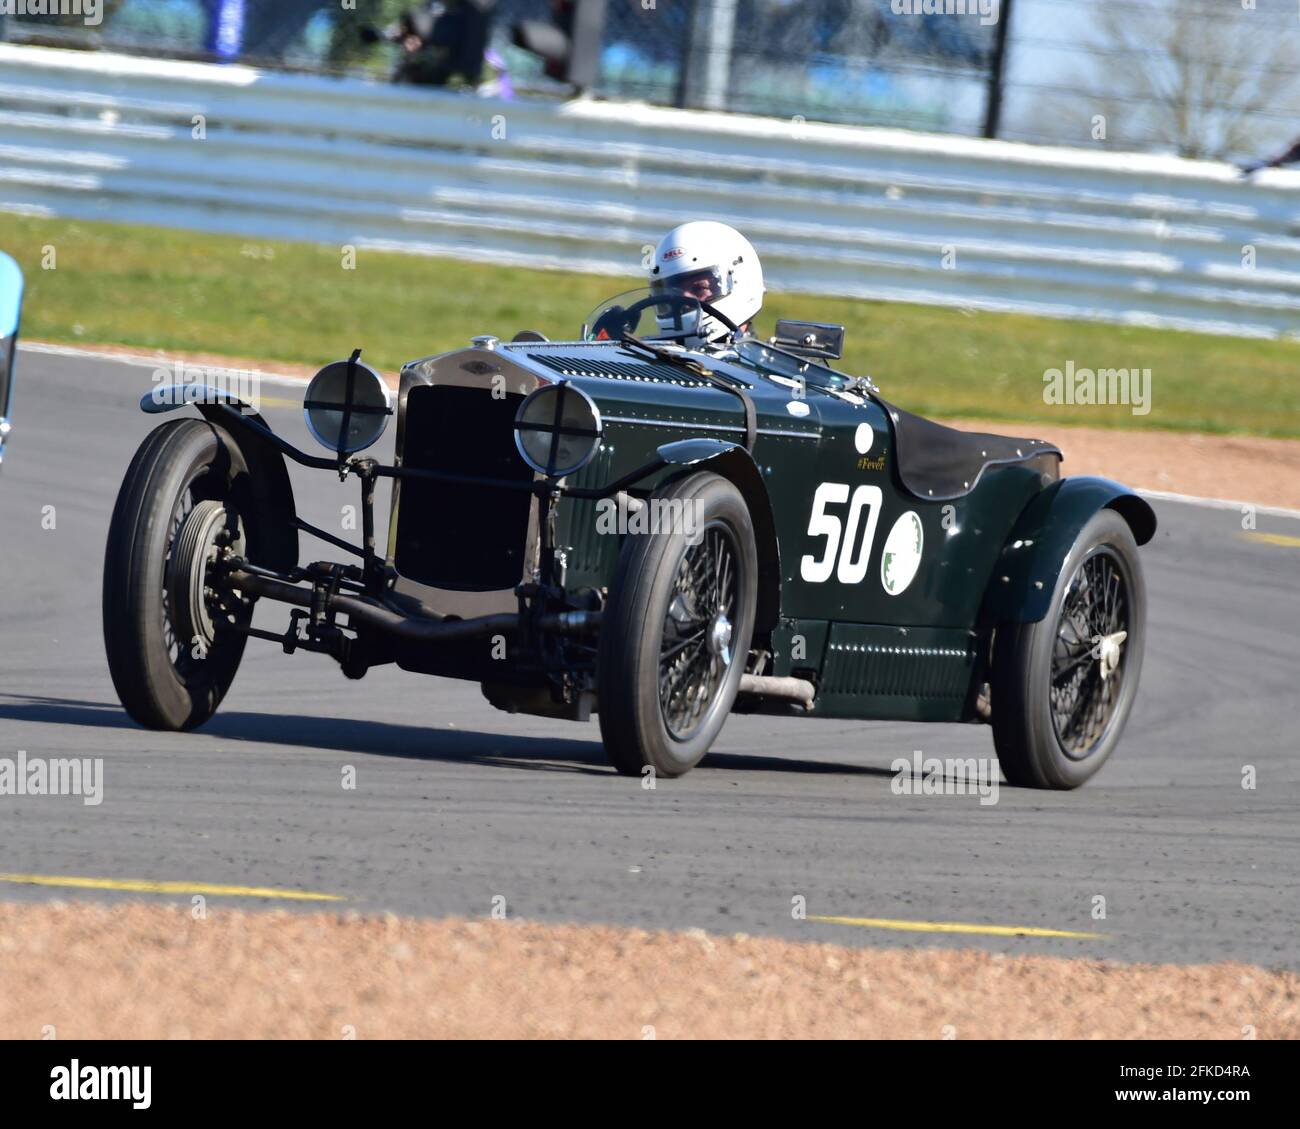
936,462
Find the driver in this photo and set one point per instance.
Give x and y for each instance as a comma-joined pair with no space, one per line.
712,263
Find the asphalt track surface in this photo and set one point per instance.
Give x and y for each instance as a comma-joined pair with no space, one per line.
456,804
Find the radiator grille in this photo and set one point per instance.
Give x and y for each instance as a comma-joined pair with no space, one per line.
590,552
462,536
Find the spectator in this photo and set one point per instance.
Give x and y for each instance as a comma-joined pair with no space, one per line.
444,43
549,40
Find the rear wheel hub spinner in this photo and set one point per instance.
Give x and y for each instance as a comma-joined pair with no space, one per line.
1106,650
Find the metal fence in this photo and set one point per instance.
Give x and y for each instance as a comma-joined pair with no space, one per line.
1192,77
829,60
587,184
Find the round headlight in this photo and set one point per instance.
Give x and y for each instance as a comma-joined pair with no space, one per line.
347,406
557,429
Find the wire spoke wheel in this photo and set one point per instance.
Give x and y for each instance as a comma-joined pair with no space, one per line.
1063,685
1088,655
696,651
171,630
197,608
675,636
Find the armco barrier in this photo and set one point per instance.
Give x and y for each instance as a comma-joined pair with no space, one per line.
587,184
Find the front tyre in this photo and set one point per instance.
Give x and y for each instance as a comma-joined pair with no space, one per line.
170,635
1063,688
675,637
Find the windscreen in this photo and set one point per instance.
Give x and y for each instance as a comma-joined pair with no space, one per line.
649,313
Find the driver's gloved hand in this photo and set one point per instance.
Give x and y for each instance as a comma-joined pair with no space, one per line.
613,323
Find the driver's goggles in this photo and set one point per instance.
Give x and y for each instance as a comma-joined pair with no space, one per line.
705,285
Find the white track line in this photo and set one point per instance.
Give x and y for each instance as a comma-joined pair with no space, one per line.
138,361
1219,503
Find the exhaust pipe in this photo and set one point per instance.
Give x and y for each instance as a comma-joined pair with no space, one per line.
798,690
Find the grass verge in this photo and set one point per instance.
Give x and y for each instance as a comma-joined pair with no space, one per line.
157,288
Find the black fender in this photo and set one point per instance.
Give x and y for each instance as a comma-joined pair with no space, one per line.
734,463
269,488
1025,573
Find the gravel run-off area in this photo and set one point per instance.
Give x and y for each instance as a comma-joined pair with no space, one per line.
89,970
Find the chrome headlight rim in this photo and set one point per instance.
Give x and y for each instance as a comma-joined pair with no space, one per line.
312,402
594,430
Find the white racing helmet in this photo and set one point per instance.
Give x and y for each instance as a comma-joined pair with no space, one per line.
714,263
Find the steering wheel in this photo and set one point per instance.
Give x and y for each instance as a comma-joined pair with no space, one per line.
618,320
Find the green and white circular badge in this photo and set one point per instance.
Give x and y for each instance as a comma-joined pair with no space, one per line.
902,553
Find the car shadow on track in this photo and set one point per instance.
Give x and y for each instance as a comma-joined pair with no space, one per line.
408,742
411,742
62,711
417,742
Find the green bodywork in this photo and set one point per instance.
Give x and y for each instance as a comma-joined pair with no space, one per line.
989,555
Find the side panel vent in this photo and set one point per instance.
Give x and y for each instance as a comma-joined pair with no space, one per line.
878,672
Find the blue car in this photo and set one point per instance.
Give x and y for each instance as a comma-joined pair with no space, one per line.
11,304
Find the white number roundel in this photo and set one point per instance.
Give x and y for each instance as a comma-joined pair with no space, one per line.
902,553
846,551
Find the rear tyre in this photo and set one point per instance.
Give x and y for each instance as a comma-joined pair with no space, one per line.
168,632
675,637
1063,688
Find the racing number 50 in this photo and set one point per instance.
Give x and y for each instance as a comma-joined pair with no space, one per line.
842,536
